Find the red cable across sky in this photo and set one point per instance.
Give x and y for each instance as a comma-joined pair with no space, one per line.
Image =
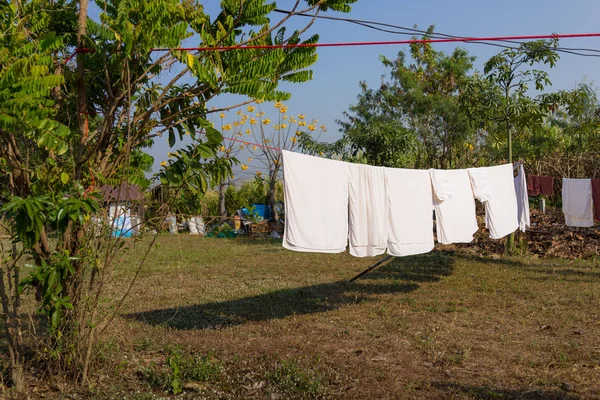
348,44
382,43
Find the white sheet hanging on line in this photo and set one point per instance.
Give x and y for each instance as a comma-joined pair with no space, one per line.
367,210
522,199
577,202
316,203
495,188
410,211
454,206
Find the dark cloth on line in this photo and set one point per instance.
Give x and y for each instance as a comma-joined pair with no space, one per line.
540,185
596,198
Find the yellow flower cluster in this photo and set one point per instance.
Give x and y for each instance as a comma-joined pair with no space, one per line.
163,164
266,121
251,108
227,127
244,167
311,128
281,107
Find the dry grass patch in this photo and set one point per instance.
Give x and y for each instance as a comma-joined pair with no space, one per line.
278,324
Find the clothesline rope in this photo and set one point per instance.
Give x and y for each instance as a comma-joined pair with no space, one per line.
381,43
374,43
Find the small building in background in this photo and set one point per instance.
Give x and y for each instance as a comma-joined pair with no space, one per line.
125,204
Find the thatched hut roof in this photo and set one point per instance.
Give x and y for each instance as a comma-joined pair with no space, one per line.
122,192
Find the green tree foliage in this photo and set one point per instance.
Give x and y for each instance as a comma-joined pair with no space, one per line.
414,119
68,125
501,100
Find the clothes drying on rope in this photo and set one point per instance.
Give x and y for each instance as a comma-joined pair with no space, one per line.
409,198
329,203
540,185
495,188
316,206
577,202
454,205
596,198
368,210
522,199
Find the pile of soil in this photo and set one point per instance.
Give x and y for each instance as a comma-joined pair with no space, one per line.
547,237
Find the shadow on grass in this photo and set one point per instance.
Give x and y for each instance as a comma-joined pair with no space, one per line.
484,392
404,274
430,267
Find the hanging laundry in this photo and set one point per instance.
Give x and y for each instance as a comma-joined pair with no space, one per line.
540,185
577,202
495,188
454,206
596,198
409,197
316,203
367,210
522,199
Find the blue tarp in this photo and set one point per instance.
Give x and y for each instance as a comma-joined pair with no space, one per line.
263,210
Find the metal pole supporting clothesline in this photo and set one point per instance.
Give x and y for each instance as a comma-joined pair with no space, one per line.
372,267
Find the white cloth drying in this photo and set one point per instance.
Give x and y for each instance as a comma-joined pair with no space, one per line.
577,202
316,203
495,188
410,211
454,206
522,200
367,211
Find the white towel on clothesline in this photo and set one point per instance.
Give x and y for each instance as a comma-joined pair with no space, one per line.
367,210
410,208
316,203
495,188
577,202
454,206
522,199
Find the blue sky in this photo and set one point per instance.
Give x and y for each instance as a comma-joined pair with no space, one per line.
339,70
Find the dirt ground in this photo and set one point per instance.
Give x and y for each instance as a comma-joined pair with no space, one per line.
235,318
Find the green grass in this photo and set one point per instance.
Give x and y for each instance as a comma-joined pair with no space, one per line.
281,324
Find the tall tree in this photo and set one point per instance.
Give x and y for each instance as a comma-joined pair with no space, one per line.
503,99
66,129
415,117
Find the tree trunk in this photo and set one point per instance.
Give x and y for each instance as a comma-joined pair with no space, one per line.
81,90
9,294
271,195
222,206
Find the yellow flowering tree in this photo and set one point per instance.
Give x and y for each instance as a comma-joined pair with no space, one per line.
278,130
229,150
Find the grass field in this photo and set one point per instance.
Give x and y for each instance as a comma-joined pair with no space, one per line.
220,318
